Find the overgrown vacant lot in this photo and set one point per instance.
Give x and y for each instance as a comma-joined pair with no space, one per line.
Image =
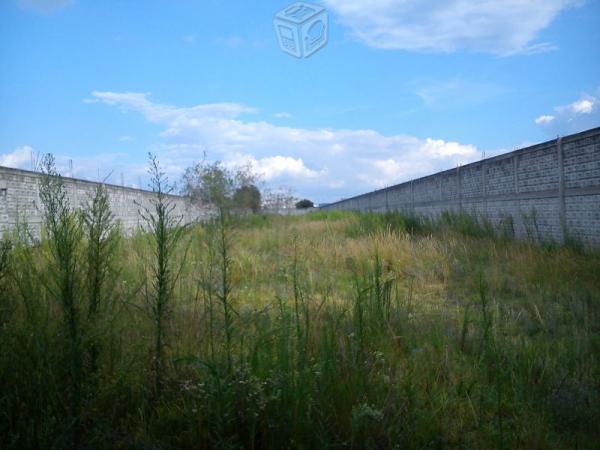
325,331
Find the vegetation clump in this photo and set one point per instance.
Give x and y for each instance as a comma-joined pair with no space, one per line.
225,188
304,204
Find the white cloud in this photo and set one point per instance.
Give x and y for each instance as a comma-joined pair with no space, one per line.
275,167
44,6
20,158
585,106
437,148
414,164
536,49
158,113
282,115
320,163
126,139
498,26
386,171
542,120
576,116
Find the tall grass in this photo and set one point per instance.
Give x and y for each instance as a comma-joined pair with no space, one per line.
102,235
325,331
225,288
166,231
5,306
65,239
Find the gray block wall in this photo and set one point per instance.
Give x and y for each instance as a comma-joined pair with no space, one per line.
551,190
19,199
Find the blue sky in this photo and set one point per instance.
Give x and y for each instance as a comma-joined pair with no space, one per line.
404,88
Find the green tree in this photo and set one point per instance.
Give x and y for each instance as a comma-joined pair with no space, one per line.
213,183
208,183
247,197
303,204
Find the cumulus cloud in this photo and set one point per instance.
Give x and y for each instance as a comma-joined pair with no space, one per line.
584,106
323,163
501,27
19,158
386,170
275,167
577,116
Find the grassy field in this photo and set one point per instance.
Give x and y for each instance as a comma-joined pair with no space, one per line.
325,331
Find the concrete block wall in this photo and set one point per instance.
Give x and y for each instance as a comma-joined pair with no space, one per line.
19,199
548,191
287,211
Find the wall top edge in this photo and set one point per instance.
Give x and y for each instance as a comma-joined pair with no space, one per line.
4,169
564,139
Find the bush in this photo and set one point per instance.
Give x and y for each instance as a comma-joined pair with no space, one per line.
394,221
304,204
247,197
466,224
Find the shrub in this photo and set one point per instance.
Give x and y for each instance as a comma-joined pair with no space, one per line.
304,204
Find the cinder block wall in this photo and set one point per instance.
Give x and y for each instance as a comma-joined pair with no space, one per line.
19,199
549,190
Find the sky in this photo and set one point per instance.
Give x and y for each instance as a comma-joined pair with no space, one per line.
403,89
